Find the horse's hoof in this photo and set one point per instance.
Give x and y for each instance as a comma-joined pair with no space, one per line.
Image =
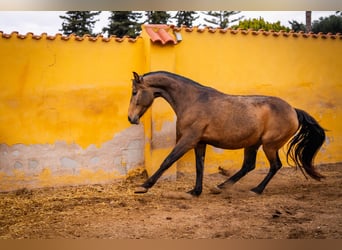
140,190
215,190
194,193
255,191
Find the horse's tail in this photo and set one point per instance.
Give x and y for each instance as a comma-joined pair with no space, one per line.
304,146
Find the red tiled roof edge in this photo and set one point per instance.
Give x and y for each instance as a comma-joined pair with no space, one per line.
59,36
164,37
259,32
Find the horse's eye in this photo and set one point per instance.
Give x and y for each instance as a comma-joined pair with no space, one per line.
134,92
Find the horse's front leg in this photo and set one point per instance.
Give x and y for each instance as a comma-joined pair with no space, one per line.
183,145
200,156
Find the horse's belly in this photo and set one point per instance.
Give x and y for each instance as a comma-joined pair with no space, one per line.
232,145
233,139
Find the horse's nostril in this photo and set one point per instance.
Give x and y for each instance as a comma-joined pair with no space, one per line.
133,120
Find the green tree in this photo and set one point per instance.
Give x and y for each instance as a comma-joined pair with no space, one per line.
296,26
157,17
331,24
79,22
185,18
221,19
257,24
124,23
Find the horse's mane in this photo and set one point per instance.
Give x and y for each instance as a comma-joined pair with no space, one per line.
175,76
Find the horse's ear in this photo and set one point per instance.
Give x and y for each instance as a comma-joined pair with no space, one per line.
137,78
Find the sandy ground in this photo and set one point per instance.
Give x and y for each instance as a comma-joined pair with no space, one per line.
290,208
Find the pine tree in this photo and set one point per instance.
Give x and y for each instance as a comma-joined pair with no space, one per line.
124,23
79,22
157,17
185,18
331,24
221,18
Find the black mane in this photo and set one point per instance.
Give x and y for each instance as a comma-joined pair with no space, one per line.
175,76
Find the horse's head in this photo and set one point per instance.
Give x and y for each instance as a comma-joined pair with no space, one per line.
141,99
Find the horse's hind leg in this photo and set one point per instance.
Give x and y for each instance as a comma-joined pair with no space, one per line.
275,165
247,166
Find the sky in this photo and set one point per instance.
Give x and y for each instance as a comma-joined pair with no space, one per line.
49,22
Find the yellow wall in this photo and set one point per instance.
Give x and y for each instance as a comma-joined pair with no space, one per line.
63,110
303,71
63,103
64,90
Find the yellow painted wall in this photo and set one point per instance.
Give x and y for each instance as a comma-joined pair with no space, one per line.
65,90
63,110
67,100
305,71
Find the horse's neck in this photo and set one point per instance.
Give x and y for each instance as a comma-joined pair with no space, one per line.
176,93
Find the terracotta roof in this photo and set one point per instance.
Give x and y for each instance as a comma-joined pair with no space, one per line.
165,34
159,33
30,35
259,32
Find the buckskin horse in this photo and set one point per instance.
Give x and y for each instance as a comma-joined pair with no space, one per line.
208,116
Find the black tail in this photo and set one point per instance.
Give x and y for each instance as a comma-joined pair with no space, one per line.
304,146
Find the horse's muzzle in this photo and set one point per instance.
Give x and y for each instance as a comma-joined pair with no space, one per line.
134,120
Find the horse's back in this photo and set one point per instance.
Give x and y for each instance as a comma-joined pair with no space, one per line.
241,121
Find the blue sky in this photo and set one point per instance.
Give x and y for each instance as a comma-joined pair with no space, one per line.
48,21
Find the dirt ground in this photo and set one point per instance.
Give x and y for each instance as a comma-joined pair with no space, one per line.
290,208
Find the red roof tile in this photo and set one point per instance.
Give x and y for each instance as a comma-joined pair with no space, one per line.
159,33
256,33
164,34
66,38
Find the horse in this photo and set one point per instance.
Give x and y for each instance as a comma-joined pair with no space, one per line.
206,116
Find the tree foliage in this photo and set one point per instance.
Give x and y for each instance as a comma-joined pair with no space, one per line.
79,22
185,18
257,24
124,23
331,24
221,19
129,23
157,17
296,26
